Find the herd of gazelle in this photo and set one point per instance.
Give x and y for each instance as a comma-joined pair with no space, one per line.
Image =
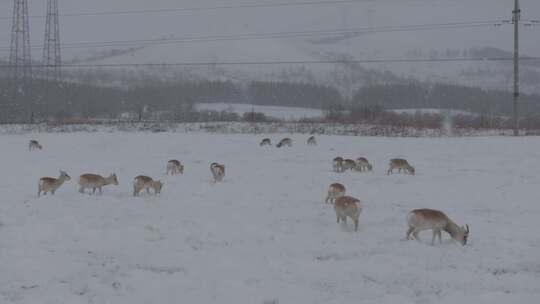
362,164
417,220
344,206
97,182
287,142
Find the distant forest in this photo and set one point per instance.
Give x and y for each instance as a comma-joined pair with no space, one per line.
63,100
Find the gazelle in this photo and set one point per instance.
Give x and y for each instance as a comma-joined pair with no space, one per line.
266,142
51,184
426,219
174,167
337,164
284,142
312,141
348,164
362,164
335,191
218,171
348,206
144,182
34,145
95,181
400,164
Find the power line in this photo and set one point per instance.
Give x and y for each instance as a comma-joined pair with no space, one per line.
51,45
292,34
280,62
203,8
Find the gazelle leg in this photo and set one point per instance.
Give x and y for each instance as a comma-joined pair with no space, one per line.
409,231
439,233
415,234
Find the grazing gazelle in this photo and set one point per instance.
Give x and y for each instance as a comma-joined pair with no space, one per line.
426,219
348,164
362,164
311,141
348,206
51,184
335,191
265,142
284,142
174,167
144,182
218,171
400,164
95,181
34,145
337,164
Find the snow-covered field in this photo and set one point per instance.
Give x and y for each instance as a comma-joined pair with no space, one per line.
264,235
449,112
285,113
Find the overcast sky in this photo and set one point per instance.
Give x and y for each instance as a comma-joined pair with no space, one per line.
265,20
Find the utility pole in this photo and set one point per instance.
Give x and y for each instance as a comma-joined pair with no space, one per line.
515,19
20,61
51,47
51,57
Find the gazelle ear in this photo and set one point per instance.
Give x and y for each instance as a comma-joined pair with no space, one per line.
467,228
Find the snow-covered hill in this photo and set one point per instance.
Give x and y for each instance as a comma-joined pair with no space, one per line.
361,15
264,235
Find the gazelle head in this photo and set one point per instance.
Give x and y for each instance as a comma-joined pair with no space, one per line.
411,169
370,167
64,175
462,235
113,179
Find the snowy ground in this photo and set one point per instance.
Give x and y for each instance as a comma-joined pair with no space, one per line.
433,111
285,113
264,234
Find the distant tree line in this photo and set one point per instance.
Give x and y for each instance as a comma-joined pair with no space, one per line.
176,100
443,96
376,115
